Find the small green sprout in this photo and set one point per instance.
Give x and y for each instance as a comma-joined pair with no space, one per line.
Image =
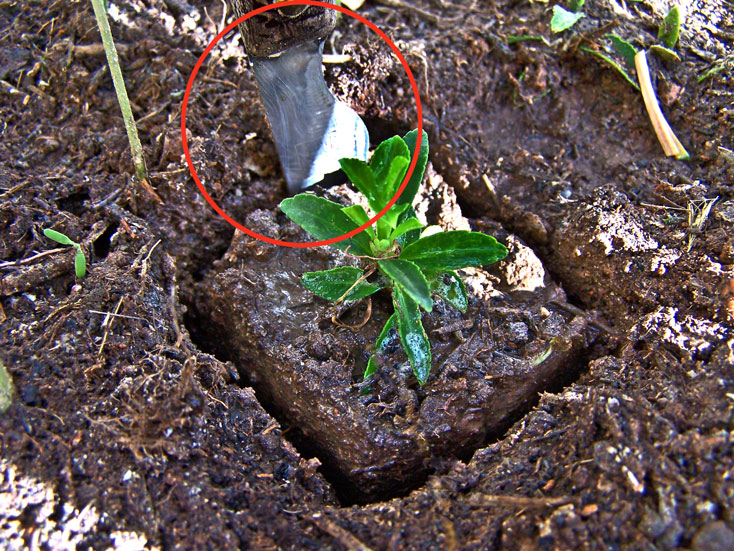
564,19
80,262
410,263
669,30
6,389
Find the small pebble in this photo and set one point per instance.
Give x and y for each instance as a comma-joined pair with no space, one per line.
714,536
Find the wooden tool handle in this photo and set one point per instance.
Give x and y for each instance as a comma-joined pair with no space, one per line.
276,30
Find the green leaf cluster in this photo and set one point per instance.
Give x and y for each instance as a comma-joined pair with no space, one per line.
412,267
80,262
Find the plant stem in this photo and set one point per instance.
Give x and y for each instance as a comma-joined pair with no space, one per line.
114,63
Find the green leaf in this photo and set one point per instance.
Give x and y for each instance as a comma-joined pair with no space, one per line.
380,344
453,250
450,287
624,49
409,279
404,227
664,53
324,219
383,156
563,19
411,188
412,235
389,220
612,63
358,215
412,335
334,284
391,183
360,174
80,263
670,29
382,168
576,5
58,237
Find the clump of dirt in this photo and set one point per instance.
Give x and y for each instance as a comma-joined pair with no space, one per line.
515,340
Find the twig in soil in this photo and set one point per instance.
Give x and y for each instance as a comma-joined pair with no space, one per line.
667,138
490,500
107,323
9,263
144,269
361,324
698,213
347,539
579,312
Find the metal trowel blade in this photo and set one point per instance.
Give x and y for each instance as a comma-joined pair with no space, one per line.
312,129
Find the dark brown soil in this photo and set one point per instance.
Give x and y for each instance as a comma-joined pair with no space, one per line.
126,432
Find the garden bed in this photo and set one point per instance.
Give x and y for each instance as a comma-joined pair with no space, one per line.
153,403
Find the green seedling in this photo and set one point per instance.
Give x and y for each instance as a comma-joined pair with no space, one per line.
396,255
100,13
669,30
80,262
564,19
576,5
6,389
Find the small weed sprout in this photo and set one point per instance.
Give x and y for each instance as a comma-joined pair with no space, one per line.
410,263
80,262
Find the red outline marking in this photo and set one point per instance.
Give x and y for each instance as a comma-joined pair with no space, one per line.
184,108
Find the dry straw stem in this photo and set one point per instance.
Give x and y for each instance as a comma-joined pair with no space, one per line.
666,136
114,63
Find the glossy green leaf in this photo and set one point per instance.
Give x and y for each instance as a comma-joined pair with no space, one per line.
383,156
624,49
389,220
409,279
412,335
380,344
393,178
412,235
58,237
453,250
563,19
359,216
411,188
324,219
334,284
360,174
80,263
410,224
670,28
450,287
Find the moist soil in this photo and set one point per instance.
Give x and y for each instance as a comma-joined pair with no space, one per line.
189,394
